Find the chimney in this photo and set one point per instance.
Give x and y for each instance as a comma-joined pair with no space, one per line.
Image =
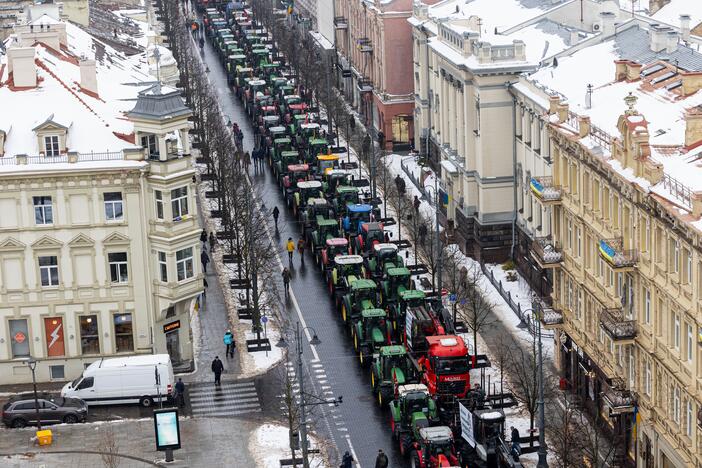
657,36
607,19
21,64
693,126
574,37
691,82
671,42
553,102
88,76
685,27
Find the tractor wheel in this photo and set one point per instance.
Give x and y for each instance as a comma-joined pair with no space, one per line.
381,402
331,286
373,389
383,397
405,444
355,340
343,317
414,460
363,356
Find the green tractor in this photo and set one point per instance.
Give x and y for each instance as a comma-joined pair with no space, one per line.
280,145
396,281
371,332
390,369
323,230
369,235
316,207
408,298
335,178
287,158
344,196
346,268
383,257
306,190
362,295
412,410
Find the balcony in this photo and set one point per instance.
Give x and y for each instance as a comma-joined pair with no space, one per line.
617,326
545,191
365,85
546,252
618,399
364,45
341,23
550,318
612,251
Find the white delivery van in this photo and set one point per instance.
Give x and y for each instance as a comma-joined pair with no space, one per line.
131,379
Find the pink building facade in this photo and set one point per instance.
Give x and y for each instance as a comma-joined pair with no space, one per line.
375,68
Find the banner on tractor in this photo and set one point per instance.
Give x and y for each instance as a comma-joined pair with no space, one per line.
467,425
409,317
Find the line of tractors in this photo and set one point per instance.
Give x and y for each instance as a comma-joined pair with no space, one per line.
419,367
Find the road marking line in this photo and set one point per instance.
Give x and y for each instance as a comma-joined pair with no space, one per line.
353,452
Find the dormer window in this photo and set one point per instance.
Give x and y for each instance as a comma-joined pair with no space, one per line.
51,145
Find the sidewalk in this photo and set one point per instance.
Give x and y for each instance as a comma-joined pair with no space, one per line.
205,442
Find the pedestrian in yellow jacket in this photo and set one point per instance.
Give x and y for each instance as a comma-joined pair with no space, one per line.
291,249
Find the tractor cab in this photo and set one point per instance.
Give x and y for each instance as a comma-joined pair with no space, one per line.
234,61
356,215
345,195
316,208
269,69
488,427
242,75
275,132
259,56
335,178
326,162
409,298
412,409
280,145
362,295
298,109
310,130
370,333
331,249
383,257
370,235
287,158
288,100
434,447
268,120
305,190
286,90
345,269
390,369
295,174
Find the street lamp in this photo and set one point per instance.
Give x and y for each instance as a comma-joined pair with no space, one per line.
400,184
315,341
32,363
536,313
438,233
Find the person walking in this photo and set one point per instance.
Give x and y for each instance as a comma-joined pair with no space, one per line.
381,461
205,259
276,213
301,250
203,236
346,461
231,345
291,250
416,204
217,369
247,161
213,242
180,393
516,449
286,280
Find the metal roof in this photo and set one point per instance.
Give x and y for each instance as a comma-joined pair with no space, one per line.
634,44
154,104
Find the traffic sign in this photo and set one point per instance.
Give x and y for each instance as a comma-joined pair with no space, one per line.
264,319
20,337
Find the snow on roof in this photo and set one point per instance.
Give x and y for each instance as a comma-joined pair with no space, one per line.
95,121
44,19
671,12
500,14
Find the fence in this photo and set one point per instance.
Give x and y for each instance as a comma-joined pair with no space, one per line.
416,183
62,158
515,306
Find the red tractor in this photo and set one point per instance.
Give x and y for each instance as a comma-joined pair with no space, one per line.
434,447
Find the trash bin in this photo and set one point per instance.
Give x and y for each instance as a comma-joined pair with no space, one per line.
44,437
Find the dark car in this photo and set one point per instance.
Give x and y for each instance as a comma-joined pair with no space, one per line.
20,410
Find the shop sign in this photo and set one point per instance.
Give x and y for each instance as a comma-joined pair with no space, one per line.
169,327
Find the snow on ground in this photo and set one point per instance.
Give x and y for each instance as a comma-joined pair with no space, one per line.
259,362
270,443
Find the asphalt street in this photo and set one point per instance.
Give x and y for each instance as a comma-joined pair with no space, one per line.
332,369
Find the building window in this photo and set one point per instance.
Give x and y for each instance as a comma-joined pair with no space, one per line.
179,202
43,210
51,145
89,336
57,372
647,306
163,266
53,333
690,342
118,267
676,405
113,206
184,264
578,242
647,379
124,337
687,265
676,331
48,270
159,204
150,143
19,338
688,418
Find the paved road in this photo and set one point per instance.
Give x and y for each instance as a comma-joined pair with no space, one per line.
358,423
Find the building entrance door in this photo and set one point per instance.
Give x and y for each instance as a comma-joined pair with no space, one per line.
173,345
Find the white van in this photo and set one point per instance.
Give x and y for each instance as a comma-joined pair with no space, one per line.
130,379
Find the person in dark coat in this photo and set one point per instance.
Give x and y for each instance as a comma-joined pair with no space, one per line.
381,461
205,259
276,213
218,368
180,392
203,236
213,242
416,204
516,446
346,461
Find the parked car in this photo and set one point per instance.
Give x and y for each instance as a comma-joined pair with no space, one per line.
140,379
20,410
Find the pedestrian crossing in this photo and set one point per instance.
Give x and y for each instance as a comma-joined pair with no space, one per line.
228,399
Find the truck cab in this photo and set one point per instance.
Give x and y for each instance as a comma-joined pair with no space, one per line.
445,366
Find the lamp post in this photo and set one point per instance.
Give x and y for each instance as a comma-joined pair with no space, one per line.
32,363
439,283
536,314
400,184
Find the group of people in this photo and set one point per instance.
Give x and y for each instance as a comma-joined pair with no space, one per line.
381,461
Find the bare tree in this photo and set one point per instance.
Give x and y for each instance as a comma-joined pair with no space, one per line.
108,448
472,300
565,433
523,377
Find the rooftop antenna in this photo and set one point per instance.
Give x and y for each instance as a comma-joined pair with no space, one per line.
480,27
157,57
588,97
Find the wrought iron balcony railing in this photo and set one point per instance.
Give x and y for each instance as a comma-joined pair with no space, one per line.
550,317
617,326
618,398
341,23
613,252
364,45
547,252
545,191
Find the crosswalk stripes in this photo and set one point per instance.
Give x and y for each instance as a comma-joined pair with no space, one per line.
227,399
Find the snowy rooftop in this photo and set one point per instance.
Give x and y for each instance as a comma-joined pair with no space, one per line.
659,101
500,14
94,122
670,13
